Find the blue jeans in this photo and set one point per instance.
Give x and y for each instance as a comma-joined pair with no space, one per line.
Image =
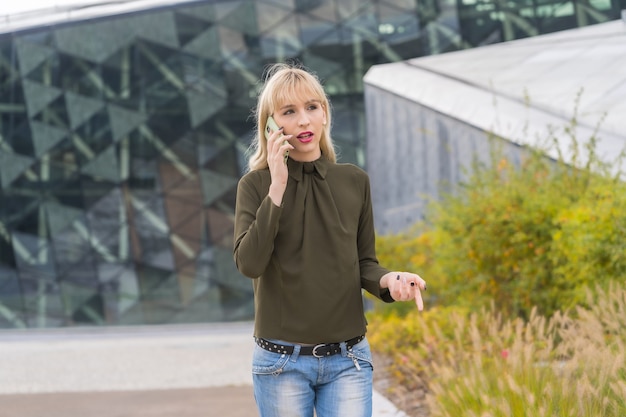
294,385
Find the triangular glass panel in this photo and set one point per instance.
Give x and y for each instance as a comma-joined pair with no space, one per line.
104,166
282,42
215,185
98,193
157,27
112,34
45,137
31,55
231,42
242,18
38,96
205,45
13,165
189,28
60,216
207,151
203,106
224,8
181,183
81,108
203,11
269,16
225,162
155,246
123,121
185,217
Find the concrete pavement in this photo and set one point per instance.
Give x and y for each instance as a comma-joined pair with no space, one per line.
145,371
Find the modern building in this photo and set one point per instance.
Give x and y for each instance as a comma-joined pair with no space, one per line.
438,114
124,127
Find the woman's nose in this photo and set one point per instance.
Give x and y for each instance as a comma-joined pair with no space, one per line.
303,121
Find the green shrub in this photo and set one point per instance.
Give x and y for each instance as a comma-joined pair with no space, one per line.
521,236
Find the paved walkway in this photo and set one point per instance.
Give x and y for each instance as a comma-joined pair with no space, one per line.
153,371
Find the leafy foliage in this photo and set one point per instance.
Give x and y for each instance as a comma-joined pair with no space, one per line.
526,236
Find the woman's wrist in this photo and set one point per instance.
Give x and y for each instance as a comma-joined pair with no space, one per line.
383,280
276,194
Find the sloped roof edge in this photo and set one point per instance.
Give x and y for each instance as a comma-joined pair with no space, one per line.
492,88
78,11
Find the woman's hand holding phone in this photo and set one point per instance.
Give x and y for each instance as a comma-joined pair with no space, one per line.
277,153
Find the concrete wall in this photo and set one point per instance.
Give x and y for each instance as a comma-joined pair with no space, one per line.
414,154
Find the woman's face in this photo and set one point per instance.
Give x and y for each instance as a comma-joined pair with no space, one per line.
304,118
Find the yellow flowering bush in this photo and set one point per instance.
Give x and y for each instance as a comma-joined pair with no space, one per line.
521,236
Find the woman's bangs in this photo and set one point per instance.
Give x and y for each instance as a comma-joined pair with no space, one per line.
293,91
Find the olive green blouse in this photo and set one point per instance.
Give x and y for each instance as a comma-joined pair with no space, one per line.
310,257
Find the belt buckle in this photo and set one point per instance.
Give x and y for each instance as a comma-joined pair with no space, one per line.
314,351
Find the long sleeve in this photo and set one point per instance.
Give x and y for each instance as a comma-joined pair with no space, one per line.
371,270
256,226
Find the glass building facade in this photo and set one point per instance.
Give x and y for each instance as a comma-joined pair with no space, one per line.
122,138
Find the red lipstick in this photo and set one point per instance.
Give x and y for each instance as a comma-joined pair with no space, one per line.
305,137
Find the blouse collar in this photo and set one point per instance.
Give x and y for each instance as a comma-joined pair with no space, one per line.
298,169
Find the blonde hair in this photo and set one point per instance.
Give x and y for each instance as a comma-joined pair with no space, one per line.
283,82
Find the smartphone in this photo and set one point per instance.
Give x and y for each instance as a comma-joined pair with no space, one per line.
271,126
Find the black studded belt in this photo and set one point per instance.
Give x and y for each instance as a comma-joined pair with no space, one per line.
319,351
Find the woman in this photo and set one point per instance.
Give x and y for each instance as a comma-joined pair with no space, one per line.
304,233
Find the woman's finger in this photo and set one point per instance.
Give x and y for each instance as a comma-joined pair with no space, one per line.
418,299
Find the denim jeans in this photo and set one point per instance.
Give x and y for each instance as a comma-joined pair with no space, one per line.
294,385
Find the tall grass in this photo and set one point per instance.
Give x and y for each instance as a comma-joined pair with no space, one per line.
568,365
